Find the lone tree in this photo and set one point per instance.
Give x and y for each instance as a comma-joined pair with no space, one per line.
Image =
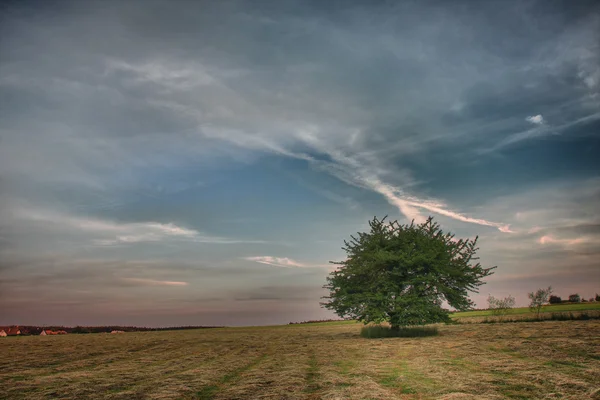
538,299
401,274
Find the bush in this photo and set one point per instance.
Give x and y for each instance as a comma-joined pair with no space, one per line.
555,299
379,331
500,306
574,298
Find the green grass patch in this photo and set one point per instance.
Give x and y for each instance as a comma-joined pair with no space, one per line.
312,373
390,378
208,392
345,366
526,310
515,390
563,316
379,331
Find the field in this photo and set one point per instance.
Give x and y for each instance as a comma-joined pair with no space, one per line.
595,306
538,360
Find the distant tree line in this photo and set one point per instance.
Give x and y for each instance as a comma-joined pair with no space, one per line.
316,321
36,330
573,298
539,298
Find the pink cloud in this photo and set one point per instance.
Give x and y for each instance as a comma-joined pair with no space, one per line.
153,282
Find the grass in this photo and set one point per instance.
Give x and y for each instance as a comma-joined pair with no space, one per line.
381,331
554,359
588,306
570,316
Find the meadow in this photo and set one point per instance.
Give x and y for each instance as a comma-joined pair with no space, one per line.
541,360
558,308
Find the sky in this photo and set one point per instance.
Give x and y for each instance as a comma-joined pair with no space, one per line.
200,163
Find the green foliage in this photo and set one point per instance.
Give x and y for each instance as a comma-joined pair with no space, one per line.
500,306
401,274
538,299
379,331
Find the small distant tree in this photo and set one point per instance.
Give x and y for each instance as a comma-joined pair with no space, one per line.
500,306
555,299
574,298
402,274
597,297
538,299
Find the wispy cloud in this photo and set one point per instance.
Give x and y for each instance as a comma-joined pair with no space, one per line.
153,282
107,233
409,206
540,130
282,262
550,239
364,175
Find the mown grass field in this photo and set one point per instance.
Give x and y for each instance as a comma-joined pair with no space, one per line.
541,360
525,310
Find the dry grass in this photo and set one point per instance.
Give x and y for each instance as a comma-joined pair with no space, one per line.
327,361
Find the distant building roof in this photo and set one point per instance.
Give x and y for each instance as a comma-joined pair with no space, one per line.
12,330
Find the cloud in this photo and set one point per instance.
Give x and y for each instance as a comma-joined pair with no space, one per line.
104,232
276,261
409,207
535,119
569,242
282,262
211,96
153,282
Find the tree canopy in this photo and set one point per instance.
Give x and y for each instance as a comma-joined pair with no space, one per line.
402,274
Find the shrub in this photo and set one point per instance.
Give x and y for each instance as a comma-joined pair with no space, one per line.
500,306
574,298
555,299
379,331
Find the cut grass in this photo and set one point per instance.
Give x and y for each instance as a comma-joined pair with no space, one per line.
556,359
208,392
382,331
